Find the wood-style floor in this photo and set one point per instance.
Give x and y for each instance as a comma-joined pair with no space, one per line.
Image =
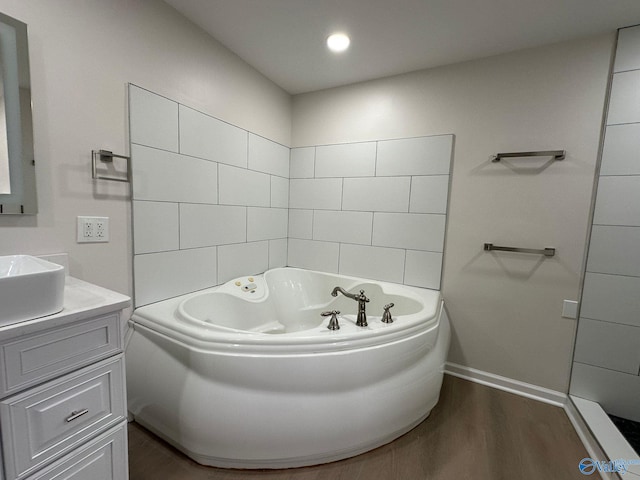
475,432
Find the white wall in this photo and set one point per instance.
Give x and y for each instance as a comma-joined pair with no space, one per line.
505,308
83,53
606,365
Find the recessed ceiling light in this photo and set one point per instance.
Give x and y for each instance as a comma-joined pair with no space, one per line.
338,42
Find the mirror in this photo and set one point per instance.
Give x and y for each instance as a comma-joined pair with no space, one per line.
17,164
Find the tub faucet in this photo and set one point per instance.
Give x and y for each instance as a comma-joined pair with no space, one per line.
362,302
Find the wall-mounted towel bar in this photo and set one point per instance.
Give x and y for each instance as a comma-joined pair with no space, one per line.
547,252
556,154
105,156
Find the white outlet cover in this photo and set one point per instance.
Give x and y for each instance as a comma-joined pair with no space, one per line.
97,234
570,309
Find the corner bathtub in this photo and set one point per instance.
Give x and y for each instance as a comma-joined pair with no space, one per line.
247,375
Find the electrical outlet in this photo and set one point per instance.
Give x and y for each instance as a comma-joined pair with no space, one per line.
93,229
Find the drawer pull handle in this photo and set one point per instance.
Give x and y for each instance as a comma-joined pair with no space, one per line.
77,414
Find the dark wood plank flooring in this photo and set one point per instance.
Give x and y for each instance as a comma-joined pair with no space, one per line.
475,432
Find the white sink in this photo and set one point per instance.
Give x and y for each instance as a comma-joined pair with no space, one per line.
29,288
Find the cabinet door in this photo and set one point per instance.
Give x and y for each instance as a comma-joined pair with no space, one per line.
46,422
42,356
104,458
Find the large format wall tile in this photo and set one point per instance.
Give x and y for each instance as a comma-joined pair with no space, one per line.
608,345
429,194
155,227
155,173
386,264
300,224
207,137
266,223
302,162
624,103
415,156
278,253
153,120
345,227
628,50
612,298
314,255
279,192
614,250
244,187
621,153
242,259
423,269
268,157
379,194
209,225
618,201
168,274
348,160
321,193
409,230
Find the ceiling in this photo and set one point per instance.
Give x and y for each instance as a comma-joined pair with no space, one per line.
285,39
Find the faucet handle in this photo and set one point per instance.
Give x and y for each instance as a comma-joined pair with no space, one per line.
333,322
386,316
362,297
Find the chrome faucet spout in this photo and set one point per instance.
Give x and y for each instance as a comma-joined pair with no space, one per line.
362,302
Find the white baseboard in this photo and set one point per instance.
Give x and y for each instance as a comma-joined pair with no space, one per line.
507,384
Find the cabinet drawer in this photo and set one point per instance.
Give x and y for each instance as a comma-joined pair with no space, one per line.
48,421
104,458
35,358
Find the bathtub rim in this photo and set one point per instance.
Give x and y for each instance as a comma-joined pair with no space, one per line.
162,317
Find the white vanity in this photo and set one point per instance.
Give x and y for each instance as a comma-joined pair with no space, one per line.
62,395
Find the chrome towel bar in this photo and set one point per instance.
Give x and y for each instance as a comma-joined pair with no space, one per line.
547,252
556,154
105,156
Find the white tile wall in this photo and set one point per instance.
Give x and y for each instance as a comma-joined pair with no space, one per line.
279,192
614,250
613,298
607,355
379,194
267,156
348,160
242,259
200,208
278,253
346,227
159,276
302,162
213,202
624,104
314,255
410,231
266,223
618,201
321,193
244,187
415,156
628,50
153,120
608,345
155,227
207,137
621,154
429,194
386,264
155,172
209,225
423,269
391,215
301,224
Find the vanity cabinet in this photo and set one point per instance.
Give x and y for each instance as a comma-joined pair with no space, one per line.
62,391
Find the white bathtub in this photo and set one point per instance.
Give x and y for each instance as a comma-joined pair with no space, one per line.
249,376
